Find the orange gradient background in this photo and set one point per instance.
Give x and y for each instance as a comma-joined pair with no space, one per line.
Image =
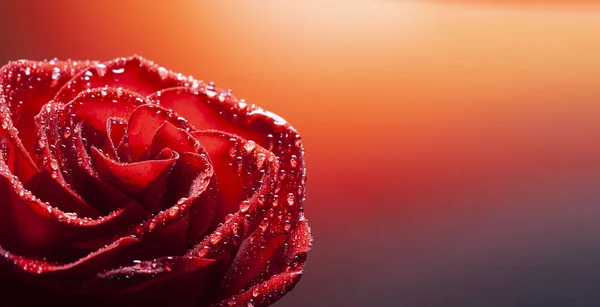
453,147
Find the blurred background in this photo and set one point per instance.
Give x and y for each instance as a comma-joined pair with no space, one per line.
453,147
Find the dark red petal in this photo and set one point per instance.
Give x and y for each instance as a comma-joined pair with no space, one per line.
134,73
25,86
257,177
189,214
107,256
47,189
263,263
164,281
31,227
145,181
168,135
239,166
265,293
207,107
143,125
85,181
192,180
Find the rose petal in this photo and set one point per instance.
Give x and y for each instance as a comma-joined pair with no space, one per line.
145,181
190,215
263,264
97,106
143,125
207,108
25,86
266,293
85,181
164,281
192,181
32,228
168,135
107,256
239,166
134,73
115,131
47,189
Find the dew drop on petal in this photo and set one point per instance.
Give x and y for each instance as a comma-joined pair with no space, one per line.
215,237
101,69
55,73
244,206
163,73
174,211
249,146
54,164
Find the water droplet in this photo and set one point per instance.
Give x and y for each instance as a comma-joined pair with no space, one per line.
255,293
290,199
71,215
118,70
55,73
260,160
54,164
101,69
163,73
182,200
244,206
249,146
174,211
215,238
293,161
27,71
229,217
210,90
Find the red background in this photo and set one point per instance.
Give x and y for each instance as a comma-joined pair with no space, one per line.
452,146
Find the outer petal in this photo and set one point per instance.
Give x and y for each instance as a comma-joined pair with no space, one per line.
25,86
167,281
134,73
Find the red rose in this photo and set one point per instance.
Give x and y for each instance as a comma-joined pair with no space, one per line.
125,183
